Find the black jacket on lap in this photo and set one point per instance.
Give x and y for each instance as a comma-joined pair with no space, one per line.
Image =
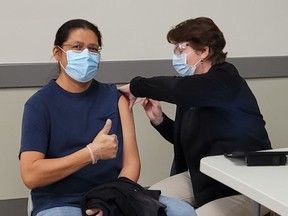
123,197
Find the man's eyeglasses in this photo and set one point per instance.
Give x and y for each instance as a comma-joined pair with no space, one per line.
180,47
81,47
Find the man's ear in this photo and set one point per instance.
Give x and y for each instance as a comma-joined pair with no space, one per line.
56,53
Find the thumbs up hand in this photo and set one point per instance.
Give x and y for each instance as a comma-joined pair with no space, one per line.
104,146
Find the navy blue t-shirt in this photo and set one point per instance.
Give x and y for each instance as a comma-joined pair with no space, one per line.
58,123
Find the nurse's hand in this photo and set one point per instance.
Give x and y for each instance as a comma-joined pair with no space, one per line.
94,212
153,110
125,89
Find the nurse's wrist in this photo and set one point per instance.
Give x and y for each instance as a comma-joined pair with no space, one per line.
157,121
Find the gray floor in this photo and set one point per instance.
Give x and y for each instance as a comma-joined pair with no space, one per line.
13,207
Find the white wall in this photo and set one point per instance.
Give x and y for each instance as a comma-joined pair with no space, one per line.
135,30
273,102
11,109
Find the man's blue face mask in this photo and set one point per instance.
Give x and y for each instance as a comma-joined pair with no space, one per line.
82,66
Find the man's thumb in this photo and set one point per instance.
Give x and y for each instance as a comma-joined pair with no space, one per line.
107,126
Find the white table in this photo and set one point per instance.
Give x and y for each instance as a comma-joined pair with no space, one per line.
267,185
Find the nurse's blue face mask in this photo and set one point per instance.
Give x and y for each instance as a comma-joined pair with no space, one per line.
179,60
82,66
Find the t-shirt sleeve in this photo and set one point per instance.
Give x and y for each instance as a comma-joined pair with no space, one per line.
35,129
119,94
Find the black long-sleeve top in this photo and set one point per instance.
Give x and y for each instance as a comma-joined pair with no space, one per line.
216,113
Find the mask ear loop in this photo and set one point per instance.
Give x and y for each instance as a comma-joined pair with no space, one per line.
189,52
61,48
62,65
186,55
59,61
200,60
